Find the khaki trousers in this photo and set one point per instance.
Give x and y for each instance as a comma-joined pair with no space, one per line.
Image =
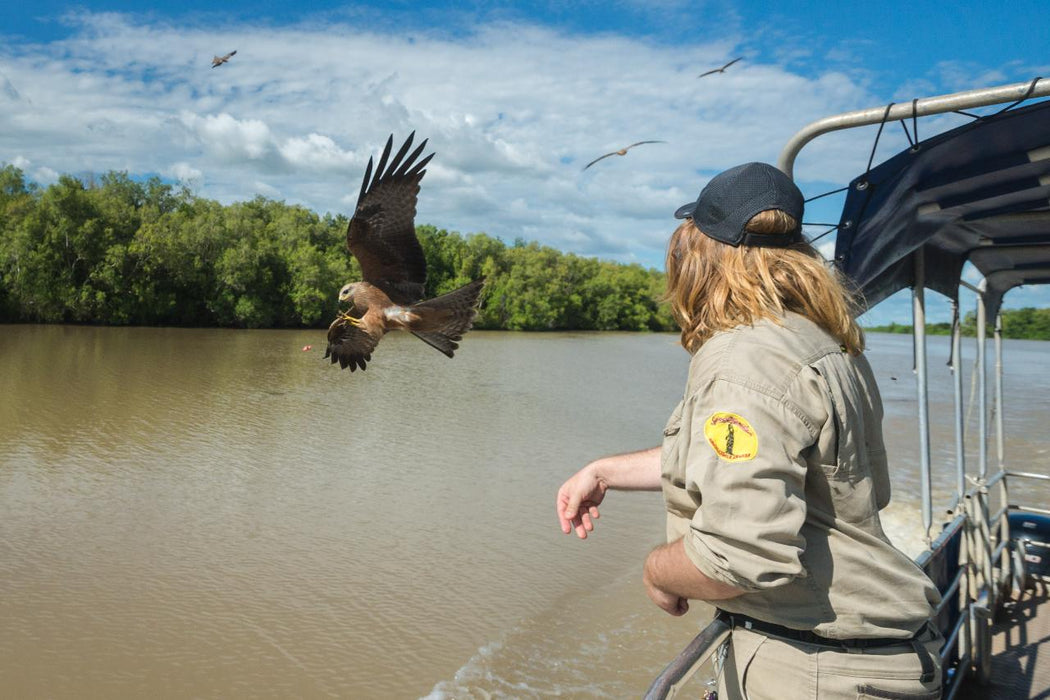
760,667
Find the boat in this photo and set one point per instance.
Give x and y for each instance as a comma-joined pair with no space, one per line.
979,194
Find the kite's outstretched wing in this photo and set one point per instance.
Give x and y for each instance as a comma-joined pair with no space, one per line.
599,158
718,70
349,344
621,152
219,60
382,232
641,142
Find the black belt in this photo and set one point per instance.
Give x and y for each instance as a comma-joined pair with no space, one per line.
805,636
735,620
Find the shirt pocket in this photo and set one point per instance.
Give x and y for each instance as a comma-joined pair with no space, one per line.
669,461
678,499
845,459
846,462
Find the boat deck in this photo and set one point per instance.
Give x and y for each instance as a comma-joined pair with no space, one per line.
1021,651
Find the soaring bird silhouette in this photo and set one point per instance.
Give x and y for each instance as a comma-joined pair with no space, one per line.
219,60
621,152
382,236
719,70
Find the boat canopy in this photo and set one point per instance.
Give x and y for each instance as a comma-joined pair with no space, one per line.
978,193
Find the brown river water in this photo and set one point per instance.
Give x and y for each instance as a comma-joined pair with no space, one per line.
215,513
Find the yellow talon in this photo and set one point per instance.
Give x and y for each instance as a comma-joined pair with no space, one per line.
350,319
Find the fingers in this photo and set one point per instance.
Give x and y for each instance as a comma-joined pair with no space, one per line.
567,504
582,523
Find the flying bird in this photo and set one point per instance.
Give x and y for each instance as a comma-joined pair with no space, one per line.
219,60
719,70
621,152
382,236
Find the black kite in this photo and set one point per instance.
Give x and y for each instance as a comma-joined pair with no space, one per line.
382,236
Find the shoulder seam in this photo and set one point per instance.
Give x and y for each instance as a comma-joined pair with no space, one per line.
777,394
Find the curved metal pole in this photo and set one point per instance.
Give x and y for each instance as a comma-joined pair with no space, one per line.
924,107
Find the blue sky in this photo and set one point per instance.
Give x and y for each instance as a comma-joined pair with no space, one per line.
515,98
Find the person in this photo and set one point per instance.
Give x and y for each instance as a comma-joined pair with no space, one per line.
773,467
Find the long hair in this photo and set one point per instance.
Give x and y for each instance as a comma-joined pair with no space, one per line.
714,287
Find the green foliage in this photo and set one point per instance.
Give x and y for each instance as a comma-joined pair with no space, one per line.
1026,323
117,251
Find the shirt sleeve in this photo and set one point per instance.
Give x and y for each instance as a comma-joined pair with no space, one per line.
745,460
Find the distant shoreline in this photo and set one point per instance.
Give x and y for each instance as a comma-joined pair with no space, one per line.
1017,324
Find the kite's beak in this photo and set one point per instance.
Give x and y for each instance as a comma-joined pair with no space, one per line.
344,294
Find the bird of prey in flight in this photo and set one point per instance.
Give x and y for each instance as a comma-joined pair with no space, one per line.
219,60
719,70
382,236
621,152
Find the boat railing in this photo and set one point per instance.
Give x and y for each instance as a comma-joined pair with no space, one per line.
689,661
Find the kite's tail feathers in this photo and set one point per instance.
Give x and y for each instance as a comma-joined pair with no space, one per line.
444,345
443,320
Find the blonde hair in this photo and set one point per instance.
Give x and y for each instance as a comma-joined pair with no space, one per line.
714,287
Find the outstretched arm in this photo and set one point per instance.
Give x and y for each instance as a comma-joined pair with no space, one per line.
579,497
671,580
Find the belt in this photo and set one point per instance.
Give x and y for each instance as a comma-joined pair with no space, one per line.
737,620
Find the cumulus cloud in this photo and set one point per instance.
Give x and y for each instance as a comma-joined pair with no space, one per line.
186,173
513,112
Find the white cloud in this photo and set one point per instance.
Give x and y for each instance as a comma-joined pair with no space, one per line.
40,174
186,173
316,153
233,141
512,111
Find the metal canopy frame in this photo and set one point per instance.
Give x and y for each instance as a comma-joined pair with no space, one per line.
941,104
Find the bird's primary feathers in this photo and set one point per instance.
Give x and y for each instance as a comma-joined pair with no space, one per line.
719,70
620,152
219,60
382,236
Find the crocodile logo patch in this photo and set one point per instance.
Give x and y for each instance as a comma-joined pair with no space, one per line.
731,437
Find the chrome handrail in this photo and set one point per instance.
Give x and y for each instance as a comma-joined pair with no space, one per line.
969,99
681,669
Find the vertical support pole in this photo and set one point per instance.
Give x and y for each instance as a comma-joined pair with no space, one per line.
987,565
960,426
919,337
982,385
1006,565
1000,447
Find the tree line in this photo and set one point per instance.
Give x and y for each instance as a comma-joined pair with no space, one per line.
1027,323
117,251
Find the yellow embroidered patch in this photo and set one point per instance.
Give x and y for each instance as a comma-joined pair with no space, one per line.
731,436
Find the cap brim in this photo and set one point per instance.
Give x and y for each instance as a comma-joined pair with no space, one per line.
685,211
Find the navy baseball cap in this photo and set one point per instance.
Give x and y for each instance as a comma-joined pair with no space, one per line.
731,198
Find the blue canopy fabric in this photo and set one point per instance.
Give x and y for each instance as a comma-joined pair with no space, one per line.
978,193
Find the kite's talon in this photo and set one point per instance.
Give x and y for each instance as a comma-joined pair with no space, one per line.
350,319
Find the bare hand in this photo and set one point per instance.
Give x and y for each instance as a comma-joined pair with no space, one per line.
668,602
577,502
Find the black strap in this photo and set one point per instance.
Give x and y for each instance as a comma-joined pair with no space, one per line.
926,663
806,637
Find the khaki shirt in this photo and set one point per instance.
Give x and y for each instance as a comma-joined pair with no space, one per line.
774,472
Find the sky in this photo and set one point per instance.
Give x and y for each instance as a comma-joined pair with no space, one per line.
515,99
